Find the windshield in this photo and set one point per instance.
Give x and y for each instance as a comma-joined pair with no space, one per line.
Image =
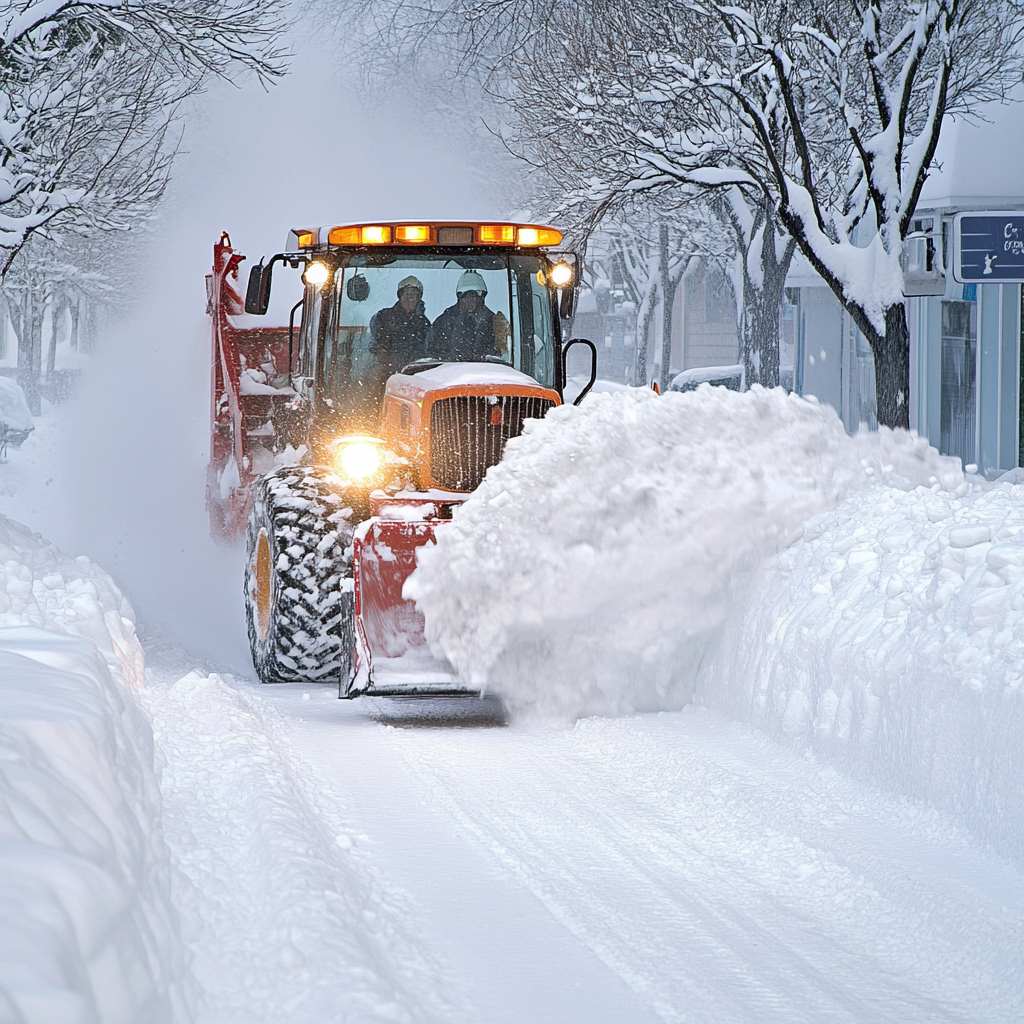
391,310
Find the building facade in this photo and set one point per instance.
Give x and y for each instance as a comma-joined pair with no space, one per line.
966,323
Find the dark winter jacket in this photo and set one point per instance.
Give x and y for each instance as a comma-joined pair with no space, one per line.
457,335
398,337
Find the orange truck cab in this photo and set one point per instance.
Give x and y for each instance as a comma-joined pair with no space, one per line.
342,442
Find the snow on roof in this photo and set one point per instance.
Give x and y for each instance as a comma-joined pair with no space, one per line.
706,374
449,375
978,164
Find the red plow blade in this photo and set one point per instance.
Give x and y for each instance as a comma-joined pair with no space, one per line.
391,654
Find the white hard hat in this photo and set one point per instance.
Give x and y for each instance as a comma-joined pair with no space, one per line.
471,281
410,282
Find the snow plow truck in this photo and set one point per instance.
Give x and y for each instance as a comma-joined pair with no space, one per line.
342,442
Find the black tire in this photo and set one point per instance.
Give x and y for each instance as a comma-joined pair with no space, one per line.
298,580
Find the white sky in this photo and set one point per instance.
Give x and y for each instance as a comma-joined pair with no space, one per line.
130,491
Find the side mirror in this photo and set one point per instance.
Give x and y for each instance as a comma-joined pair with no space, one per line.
593,365
257,293
567,301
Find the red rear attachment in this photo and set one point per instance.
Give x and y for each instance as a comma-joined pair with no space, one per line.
242,436
391,654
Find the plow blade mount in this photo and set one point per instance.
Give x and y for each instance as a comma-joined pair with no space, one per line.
391,656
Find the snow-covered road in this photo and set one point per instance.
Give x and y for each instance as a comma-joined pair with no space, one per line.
429,861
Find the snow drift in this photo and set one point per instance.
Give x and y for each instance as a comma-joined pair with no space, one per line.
595,567
890,638
89,934
855,596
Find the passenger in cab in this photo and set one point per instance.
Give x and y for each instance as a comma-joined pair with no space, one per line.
398,333
468,330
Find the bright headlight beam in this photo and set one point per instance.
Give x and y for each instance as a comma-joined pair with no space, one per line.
359,460
561,275
316,274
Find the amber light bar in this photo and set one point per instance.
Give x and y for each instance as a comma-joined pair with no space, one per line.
360,234
496,234
527,234
415,233
522,235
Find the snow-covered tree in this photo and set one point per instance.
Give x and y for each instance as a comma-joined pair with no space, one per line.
581,137
649,252
763,255
55,287
90,92
824,116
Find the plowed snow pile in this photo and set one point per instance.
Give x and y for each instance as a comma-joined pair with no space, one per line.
89,935
858,597
890,638
596,565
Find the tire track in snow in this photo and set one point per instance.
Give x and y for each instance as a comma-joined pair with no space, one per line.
290,922
687,862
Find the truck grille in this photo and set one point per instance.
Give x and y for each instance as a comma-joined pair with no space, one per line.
468,435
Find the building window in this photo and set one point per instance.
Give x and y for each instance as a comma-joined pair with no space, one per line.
958,398
719,304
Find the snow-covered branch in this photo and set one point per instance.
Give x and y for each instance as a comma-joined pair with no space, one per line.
90,96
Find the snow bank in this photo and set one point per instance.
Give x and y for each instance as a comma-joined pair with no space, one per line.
857,597
42,587
890,638
293,921
596,565
88,930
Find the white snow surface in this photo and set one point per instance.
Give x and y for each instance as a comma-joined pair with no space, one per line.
288,918
890,638
449,375
706,374
14,411
856,596
597,563
42,587
89,934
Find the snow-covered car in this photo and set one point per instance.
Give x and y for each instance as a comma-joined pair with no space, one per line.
15,416
730,377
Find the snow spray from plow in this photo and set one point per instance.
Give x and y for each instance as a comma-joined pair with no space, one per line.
629,530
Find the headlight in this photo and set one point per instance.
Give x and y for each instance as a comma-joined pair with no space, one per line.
561,274
359,459
316,274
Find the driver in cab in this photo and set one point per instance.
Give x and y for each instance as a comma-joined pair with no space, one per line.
399,333
469,331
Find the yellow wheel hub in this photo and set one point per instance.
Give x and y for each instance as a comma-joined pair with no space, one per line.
262,572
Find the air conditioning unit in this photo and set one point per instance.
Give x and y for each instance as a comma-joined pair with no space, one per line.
923,265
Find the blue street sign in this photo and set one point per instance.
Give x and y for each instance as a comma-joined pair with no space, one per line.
988,247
